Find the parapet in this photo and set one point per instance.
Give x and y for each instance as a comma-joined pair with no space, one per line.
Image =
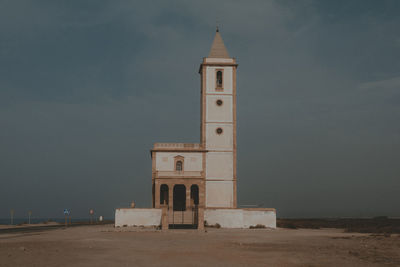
179,147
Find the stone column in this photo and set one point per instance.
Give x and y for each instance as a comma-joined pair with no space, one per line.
188,197
164,217
153,191
200,216
157,194
170,196
202,196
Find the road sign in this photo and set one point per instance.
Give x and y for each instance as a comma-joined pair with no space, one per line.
66,212
91,211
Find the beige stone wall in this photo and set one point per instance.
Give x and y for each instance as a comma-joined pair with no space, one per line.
164,171
171,182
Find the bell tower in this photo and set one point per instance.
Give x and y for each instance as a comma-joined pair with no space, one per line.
218,125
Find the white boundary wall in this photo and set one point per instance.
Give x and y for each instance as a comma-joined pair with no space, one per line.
137,217
240,218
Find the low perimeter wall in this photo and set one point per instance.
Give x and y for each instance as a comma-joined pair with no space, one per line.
226,218
137,217
241,218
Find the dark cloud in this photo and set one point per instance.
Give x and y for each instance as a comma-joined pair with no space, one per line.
87,87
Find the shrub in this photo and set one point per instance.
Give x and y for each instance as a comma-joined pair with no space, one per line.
258,226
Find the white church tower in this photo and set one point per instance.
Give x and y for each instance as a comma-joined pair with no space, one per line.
218,125
195,183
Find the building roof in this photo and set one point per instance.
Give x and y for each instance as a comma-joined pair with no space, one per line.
218,49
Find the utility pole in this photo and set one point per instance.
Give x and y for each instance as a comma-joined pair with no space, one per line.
29,213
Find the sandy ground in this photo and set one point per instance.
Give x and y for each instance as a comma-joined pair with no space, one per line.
106,246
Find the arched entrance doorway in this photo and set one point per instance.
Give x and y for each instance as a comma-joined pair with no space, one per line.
179,197
182,216
164,194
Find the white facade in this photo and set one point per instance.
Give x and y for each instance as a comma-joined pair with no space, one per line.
219,194
214,170
165,161
226,218
223,113
220,158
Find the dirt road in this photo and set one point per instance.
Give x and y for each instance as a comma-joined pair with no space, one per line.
106,246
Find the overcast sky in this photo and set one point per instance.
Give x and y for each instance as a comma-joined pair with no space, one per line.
87,87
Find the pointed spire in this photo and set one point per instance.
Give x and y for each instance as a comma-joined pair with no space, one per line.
218,49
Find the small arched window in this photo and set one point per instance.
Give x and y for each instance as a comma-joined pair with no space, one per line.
179,166
219,81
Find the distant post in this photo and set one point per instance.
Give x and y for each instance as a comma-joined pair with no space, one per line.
66,213
12,216
29,216
91,212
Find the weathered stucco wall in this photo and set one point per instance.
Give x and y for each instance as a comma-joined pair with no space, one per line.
220,162
226,218
217,141
192,161
137,217
263,217
219,165
219,194
240,218
216,113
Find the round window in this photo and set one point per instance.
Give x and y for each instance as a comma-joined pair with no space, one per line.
219,102
219,131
